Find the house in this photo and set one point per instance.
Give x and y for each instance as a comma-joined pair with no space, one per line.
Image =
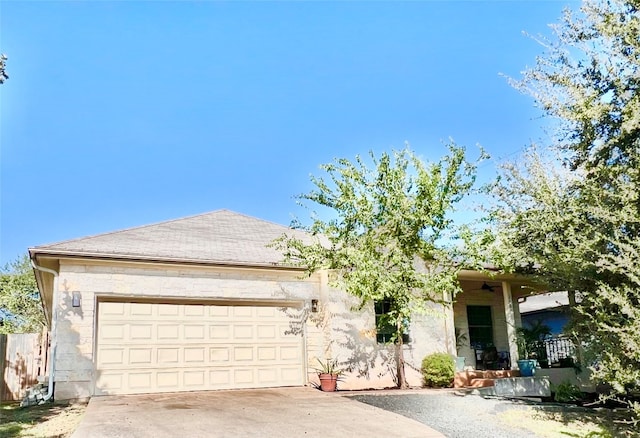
551,309
202,303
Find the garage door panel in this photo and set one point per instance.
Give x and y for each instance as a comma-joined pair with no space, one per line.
140,356
219,311
194,332
112,331
266,331
267,353
194,378
167,310
168,380
220,378
168,332
168,356
112,356
242,331
194,310
219,354
243,376
242,354
268,312
140,380
290,353
290,375
140,332
112,309
242,311
217,331
194,355
110,383
150,347
141,309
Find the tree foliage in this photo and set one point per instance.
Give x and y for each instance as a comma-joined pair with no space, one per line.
19,298
579,225
589,79
3,65
383,240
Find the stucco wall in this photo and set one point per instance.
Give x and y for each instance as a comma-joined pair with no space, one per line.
339,330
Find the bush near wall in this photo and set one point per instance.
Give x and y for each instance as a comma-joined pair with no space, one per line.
438,370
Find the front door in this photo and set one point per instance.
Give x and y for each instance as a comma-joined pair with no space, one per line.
480,323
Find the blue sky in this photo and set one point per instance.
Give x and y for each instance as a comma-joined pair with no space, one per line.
119,114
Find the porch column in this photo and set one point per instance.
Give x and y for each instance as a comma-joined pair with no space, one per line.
449,324
511,322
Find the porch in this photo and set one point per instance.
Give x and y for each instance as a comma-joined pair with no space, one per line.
485,319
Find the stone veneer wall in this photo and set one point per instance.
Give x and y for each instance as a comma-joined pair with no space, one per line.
338,330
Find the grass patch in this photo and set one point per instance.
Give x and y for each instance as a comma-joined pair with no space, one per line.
571,422
48,420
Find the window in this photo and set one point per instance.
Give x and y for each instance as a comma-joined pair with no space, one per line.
385,329
480,326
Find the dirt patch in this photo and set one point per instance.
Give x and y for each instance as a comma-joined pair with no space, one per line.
49,420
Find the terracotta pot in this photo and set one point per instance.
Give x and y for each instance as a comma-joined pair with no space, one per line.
328,382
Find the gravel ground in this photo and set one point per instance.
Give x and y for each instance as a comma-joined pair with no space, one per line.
454,416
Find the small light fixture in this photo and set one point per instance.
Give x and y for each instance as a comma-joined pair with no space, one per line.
314,306
75,301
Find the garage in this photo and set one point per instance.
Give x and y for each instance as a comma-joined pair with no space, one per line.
147,347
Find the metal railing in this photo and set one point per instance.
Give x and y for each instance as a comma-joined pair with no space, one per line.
559,350
555,352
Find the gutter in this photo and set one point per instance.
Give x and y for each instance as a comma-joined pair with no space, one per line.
54,320
160,259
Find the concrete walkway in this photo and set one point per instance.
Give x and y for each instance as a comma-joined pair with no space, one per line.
281,412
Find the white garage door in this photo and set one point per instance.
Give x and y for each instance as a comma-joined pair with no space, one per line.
152,347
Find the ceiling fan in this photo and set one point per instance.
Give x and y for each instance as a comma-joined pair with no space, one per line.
486,287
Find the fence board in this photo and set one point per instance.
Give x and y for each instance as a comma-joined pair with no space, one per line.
23,357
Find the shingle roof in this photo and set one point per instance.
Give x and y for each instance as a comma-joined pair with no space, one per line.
220,236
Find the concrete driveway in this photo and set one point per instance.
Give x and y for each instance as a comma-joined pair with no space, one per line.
281,412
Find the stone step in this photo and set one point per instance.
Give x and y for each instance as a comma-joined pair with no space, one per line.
530,388
523,387
489,391
481,383
463,379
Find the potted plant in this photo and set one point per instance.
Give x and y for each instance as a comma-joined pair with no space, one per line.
531,347
328,374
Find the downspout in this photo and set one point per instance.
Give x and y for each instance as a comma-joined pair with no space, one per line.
54,320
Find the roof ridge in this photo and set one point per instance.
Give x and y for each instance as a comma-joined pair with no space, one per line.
137,227
261,220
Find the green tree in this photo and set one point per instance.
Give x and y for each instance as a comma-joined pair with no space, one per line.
384,238
19,298
3,73
579,225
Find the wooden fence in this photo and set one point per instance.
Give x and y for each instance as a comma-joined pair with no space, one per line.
23,357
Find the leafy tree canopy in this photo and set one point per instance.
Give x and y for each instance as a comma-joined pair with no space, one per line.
19,298
384,238
589,80
3,73
579,225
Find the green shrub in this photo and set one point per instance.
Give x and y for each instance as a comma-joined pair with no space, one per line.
567,392
438,370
